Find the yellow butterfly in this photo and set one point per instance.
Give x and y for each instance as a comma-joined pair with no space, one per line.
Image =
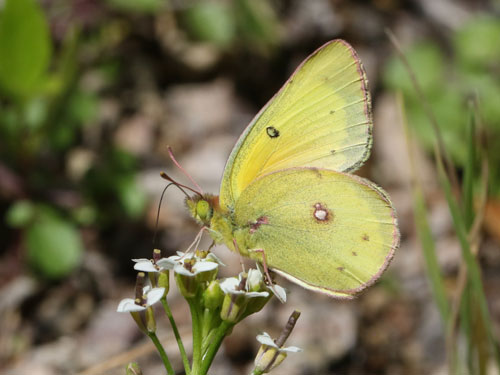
286,200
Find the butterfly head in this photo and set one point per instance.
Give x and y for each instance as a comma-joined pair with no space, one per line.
202,208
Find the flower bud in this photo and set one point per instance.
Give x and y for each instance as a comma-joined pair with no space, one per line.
133,369
271,352
213,295
268,358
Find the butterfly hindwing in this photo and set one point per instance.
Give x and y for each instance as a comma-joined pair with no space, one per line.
325,230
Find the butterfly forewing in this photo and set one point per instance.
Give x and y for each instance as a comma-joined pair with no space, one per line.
320,118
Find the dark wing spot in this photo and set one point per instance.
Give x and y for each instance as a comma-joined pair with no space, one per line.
332,152
355,253
366,237
332,112
255,225
272,132
341,268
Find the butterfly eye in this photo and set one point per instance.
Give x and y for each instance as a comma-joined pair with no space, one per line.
203,210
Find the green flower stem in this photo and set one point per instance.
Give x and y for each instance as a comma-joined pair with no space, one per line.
207,340
256,372
182,350
207,320
163,354
221,332
197,334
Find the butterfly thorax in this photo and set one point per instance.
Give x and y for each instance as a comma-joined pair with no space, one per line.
207,212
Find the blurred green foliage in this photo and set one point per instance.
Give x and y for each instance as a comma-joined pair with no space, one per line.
44,111
47,112
138,6
472,70
53,244
25,48
252,22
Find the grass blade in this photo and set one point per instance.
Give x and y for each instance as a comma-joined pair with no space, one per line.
424,231
473,269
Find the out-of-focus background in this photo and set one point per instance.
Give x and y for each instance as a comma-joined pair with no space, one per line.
93,91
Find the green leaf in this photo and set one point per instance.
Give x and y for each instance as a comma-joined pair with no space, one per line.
211,22
427,63
54,247
25,47
131,196
451,114
478,43
83,107
35,112
19,214
256,21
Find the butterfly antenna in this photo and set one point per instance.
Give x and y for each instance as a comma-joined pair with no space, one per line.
158,213
159,207
179,185
171,154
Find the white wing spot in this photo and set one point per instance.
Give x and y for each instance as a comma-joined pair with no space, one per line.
321,213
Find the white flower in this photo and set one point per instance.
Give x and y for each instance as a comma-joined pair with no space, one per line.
176,262
197,268
266,339
270,355
145,265
254,282
151,295
255,277
231,285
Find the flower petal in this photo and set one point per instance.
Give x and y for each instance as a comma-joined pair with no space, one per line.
137,260
229,284
291,349
145,266
204,267
265,339
254,279
257,294
129,305
279,292
155,295
167,263
181,270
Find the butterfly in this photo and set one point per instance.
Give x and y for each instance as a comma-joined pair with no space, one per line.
287,199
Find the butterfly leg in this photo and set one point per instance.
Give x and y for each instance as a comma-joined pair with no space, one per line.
268,276
197,240
211,246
